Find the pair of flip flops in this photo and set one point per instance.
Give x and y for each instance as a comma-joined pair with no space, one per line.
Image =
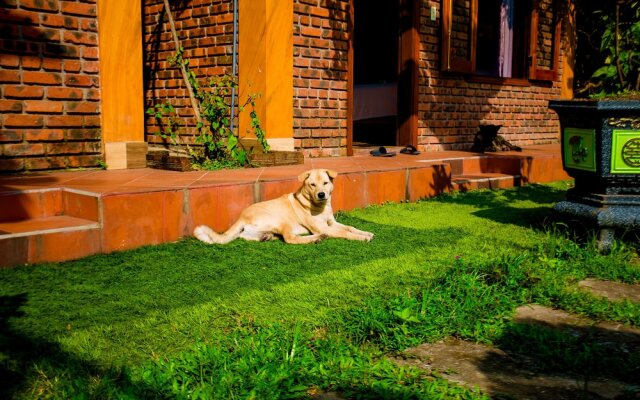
382,151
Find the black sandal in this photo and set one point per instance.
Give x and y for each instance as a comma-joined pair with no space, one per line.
409,149
382,152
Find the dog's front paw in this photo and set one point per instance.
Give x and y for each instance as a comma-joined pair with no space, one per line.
369,236
320,238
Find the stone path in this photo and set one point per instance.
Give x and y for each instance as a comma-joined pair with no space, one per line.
501,374
612,290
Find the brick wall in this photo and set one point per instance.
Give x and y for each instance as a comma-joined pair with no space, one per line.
49,99
451,107
49,95
205,30
320,76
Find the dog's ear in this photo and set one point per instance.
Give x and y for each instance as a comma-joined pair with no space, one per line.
303,176
332,174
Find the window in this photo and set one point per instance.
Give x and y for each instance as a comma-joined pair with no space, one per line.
501,38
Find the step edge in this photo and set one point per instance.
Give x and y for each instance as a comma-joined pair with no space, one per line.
483,179
93,225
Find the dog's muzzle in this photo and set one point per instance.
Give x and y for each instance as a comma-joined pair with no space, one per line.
322,196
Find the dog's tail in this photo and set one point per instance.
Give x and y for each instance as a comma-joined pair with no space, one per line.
208,235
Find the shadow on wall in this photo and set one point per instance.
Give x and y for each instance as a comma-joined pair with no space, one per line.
22,36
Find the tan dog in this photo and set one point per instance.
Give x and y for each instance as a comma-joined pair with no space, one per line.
301,217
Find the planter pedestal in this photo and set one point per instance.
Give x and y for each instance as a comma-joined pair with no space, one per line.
601,151
608,212
275,158
164,159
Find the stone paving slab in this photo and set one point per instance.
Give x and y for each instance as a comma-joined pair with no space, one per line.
514,376
499,373
614,291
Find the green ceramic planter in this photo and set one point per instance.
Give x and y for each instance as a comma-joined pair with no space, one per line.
601,151
601,144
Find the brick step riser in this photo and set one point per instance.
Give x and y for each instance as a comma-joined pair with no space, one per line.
25,205
50,247
461,184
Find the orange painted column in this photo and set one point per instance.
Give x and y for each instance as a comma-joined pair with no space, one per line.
122,97
265,66
569,52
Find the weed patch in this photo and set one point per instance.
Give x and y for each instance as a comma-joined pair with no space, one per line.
286,363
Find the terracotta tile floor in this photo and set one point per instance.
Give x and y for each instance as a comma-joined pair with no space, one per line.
146,179
148,206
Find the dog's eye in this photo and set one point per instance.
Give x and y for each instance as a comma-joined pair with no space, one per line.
313,185
326,183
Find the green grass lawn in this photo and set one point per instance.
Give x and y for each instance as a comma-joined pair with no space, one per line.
270,320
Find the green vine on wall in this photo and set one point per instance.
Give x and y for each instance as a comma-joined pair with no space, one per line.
211,103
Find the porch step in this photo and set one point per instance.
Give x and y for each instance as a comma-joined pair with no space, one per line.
23,205
474,164
484,180
56,217
48,225
45,225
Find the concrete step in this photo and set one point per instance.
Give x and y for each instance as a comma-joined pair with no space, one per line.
44,225
22,205
140,207
48,225
484,180
48,239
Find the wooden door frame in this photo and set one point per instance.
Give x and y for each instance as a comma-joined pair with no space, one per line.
409,57
408,65
350,92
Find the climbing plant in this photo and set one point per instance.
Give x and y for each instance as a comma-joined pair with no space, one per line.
211,102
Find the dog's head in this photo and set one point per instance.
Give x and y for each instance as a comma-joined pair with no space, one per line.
317,184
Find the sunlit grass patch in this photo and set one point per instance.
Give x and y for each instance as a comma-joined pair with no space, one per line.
167,320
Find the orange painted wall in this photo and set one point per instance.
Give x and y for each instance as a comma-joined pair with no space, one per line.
266,64
569,46
120,40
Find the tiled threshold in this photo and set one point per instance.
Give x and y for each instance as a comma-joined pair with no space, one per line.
67,215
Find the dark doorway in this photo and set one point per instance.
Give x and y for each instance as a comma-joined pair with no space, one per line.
375,72
383,73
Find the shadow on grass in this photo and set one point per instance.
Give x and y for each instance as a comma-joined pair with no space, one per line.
24,358
563,361
498,206
538,194
47,301
122,289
